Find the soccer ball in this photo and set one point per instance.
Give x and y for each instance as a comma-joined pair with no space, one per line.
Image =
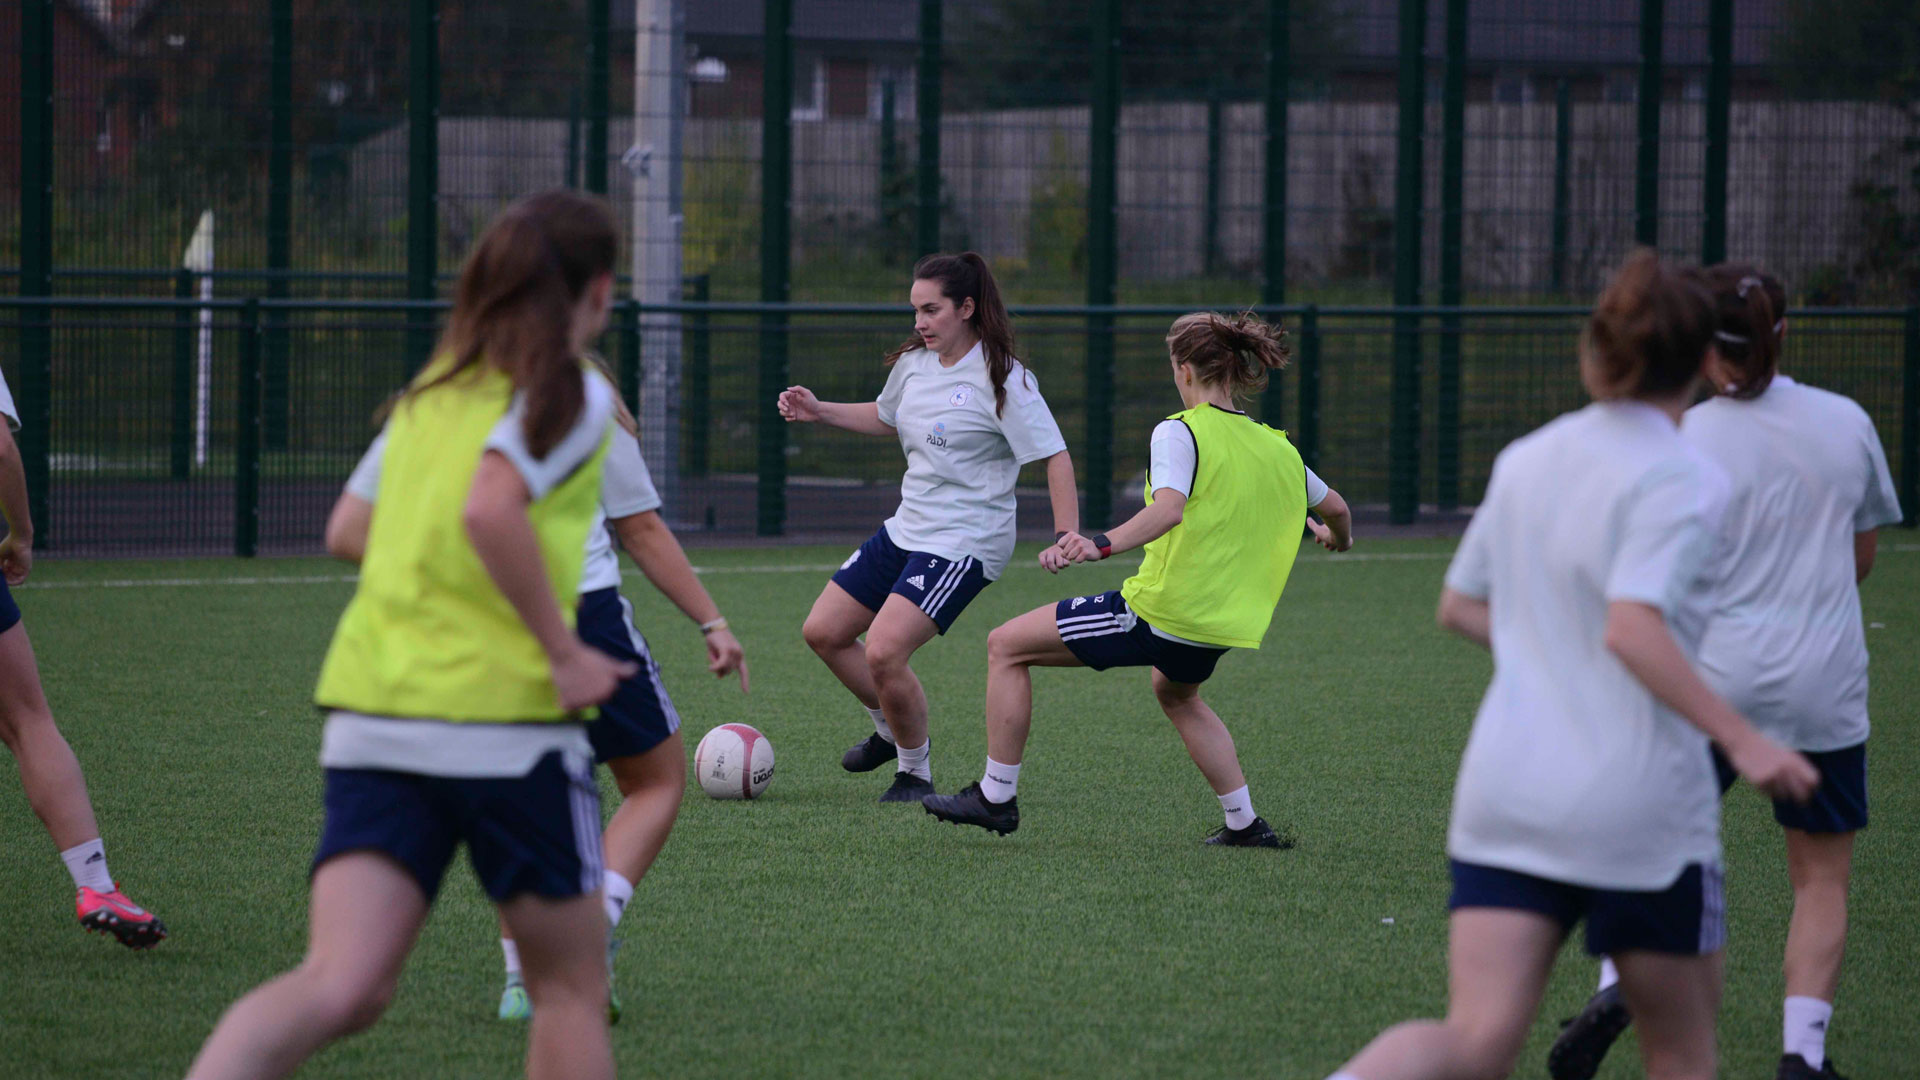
734,761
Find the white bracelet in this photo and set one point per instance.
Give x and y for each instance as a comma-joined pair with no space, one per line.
717,624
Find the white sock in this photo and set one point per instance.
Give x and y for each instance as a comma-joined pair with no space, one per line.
914,760
1238,807
615,891
512,952
880,724
1000,782
88,864
1804,1031
1608,973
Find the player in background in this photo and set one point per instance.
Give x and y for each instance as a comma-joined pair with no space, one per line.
49,773
455,682
637,734
968,415
1785,646
1227,501
1586,791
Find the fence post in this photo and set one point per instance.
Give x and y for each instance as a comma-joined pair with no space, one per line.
627,367
1713,244
1646,196
1210,225
776,180
573,139
1403,465
1910,423
246,454
1273,255
181,455
1310,385
36,258
1562,200
423,174
699,408
279,223
889,160
926,231
1453,148
598,17
1103,148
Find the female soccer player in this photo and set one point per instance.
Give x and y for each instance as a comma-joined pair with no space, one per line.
455,681
637,734
1586,791
49,772
968,415
1785,646
1227,497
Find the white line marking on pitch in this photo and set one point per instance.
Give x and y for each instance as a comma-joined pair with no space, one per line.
796,568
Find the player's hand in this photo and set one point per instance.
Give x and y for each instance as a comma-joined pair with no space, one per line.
1774,769
586,676
16,558
797,404
1054,559
1324,537
725,656
1077,548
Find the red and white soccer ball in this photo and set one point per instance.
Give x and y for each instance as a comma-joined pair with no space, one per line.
734,761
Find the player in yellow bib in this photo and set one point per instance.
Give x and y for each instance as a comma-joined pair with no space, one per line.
1227,500
456,687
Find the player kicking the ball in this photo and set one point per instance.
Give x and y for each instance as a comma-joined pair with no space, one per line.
1227,499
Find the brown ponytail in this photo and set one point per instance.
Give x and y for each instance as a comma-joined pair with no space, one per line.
514,305
1750,305
961,277
1237,350
1649,332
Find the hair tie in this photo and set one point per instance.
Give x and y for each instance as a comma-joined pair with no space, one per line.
1780,327
1747,284
1734,339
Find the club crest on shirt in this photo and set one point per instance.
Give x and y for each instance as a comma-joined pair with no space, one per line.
961,395
938,436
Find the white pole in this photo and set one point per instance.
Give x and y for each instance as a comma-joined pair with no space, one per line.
653,161
199,258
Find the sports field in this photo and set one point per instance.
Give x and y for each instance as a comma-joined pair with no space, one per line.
815,933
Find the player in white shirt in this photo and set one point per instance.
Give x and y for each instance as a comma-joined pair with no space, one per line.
49,771
637,734
1785,646
1586,791
968,415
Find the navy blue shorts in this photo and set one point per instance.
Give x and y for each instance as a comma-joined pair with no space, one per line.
1687,918
1102,633
639,716
1839,804
9,611
939,586
538,833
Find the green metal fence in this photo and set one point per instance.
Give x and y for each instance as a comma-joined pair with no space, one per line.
151,454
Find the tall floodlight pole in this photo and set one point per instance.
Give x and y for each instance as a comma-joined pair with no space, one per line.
654,162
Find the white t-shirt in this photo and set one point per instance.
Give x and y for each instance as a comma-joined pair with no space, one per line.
956,499
428,747
1172,458
6,405
1574,772
1785,645
626,488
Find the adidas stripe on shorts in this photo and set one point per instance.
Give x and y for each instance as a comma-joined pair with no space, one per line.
937,585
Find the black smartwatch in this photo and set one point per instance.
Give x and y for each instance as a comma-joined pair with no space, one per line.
1105,545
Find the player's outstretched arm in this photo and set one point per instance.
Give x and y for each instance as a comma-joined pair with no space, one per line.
1637,635
1154,520
658,553
347,528
16,548
1334,530
1465,615
798,406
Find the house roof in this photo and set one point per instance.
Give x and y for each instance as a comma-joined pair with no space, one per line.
1600,33
871,22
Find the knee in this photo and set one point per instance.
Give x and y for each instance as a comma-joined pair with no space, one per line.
1176,699
1001,646
345,1005
886,657
1485,1051
822,636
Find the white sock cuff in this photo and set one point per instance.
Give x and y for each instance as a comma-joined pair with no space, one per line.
1237,805
511,952
615,890
87,865
1609,974
914,760
1000,782
880,727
